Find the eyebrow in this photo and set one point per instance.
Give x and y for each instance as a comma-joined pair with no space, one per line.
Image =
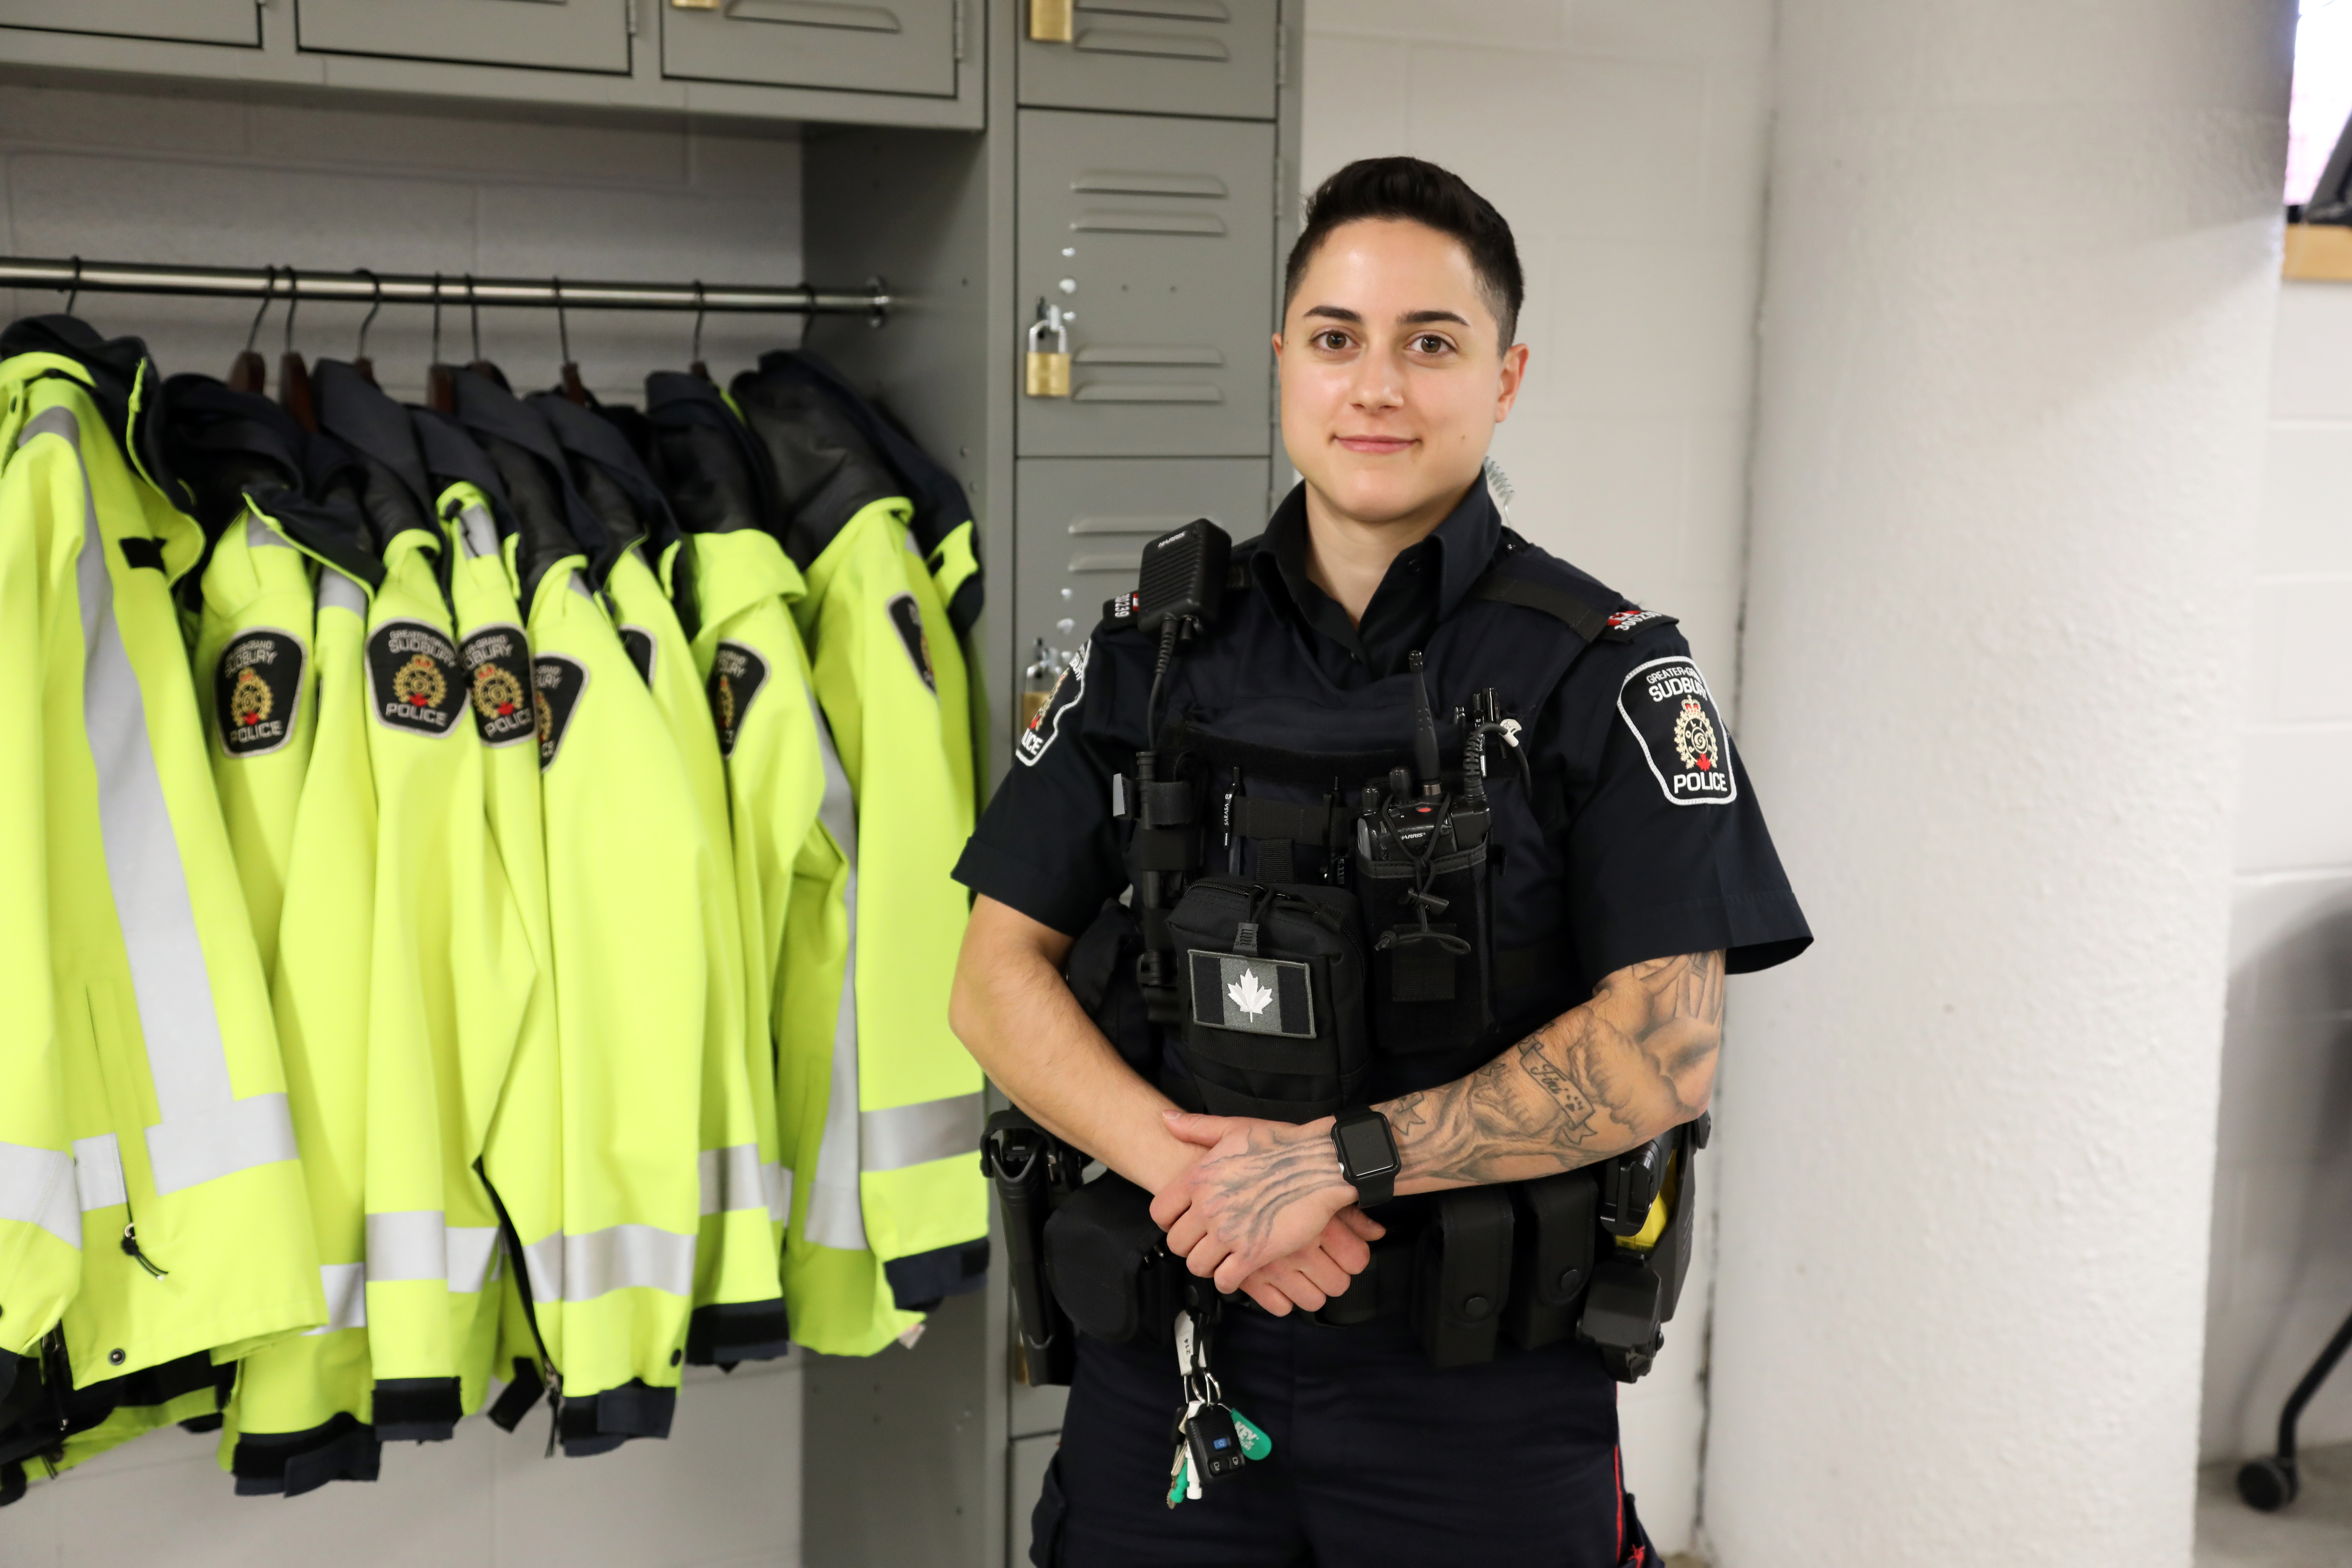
1410,319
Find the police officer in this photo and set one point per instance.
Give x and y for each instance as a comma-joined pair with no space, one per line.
1630,871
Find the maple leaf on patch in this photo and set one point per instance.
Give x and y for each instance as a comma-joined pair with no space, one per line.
1250,997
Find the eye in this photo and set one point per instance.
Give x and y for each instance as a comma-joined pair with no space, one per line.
1331,340
1430,344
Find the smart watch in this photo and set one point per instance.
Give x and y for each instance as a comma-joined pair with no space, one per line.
1368,1155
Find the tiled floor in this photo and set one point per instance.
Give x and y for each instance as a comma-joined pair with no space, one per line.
2313,1531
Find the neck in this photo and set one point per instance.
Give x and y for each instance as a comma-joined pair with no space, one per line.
1348,557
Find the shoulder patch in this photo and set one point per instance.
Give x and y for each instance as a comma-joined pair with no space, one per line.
498,665
737,677
414,680
1672,713
1632,618
557,681
640,646
1047,726
908,617
258,691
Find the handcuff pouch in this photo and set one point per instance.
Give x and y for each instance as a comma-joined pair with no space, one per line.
1110,1266
1463,1276
1552,1244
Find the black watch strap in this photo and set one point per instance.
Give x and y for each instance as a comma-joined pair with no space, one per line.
1368,1155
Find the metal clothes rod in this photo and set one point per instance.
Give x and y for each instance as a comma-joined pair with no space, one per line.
424,288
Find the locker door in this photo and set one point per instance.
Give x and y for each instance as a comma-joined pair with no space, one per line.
555,34
1150,57
1157,236
860,46
1081,525
190,21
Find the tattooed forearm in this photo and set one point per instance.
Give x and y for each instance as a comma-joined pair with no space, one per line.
1603,1078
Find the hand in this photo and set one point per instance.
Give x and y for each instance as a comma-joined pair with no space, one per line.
1323,1268
1262,1191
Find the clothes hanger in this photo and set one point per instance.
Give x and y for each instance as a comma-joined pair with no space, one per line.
247,373
440,378
699,369
74,293
360,360
293,376
477,365
574,390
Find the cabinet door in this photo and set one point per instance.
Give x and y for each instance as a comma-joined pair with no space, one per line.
189,21
1080,526
858,46
1150,57
555,34
1156,237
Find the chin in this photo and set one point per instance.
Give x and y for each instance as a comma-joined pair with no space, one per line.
1379,498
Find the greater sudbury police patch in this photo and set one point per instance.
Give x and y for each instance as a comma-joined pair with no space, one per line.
1254,995
413,679
908,617
1038,738
1666,704
256,689
497,678
736,677
557,681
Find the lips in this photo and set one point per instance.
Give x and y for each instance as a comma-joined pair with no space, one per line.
1375,446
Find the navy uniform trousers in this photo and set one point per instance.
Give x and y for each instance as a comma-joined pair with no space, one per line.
1379,1458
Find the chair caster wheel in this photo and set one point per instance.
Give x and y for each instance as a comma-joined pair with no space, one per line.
2267,1485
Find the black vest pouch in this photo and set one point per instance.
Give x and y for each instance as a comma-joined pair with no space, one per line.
1422,870
1272,976
1108,1265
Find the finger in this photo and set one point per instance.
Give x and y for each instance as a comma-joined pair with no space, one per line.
1266,1296
1170,1204
1345,1247
1229,1273
1303,1291
1362,1224
1211,1257
1187,1233
1205,1130
1329,1279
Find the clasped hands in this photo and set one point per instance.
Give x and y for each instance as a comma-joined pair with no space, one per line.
1265,1209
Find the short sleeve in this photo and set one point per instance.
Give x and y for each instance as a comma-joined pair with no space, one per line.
1668,849
1047,844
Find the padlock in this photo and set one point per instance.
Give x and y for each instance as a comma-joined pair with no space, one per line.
1048,370
1051,22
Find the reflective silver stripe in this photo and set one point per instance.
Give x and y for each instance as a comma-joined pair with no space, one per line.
837,1217
623,1256
777,1184
337,592
917,1134
411,1244
260,535
346,1287
732,1180
205,1131
542,1266
480,534
580,586
204,1145
472,1249
98,1172
37,1187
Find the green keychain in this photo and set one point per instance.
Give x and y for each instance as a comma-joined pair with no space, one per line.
1255,1445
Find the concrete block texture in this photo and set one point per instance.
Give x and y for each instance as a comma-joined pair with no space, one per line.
2020,277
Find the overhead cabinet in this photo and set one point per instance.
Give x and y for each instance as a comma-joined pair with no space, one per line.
178,21
1154,235
554,35
887,46
1212,57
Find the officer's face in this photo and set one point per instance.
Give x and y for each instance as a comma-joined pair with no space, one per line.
1393,376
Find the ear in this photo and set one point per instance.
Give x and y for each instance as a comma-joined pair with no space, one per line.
1514,376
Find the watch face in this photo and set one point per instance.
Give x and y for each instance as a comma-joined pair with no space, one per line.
1366,1147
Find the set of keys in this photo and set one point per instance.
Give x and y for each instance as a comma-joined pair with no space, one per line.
1213,1441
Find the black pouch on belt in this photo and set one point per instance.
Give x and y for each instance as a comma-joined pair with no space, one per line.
1110,1266
1422,872
1463,1276
1273,996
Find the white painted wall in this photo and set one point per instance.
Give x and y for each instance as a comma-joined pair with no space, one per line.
1625,142
2021,280
169,176
2281,1276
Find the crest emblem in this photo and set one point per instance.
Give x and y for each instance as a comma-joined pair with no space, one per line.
1046,725
249,702
420,683
1694,736
500,686
257,691
413,678
558,682
1667,706
737,675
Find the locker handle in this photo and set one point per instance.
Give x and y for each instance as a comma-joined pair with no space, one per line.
1159,45
1117,561
1145,392
814,14
1151,527
1110,354
1108,184
1173,10
1148,223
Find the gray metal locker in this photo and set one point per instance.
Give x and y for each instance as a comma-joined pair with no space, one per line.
1211,57
556,35
1155,235
1081,526
190,21
1024,1480
886,45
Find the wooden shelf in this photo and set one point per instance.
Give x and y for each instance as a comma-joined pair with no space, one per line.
2318,251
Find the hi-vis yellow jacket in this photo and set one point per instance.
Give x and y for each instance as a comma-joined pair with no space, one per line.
895,1216
627,883
739,1308
152,1207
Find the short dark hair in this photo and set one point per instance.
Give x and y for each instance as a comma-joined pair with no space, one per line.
1419,193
